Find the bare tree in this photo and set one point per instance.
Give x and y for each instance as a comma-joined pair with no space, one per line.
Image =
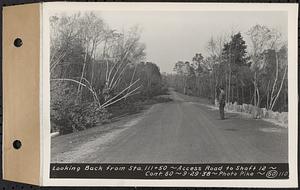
118,51
273,92
126,49
262,39
91,34
63,30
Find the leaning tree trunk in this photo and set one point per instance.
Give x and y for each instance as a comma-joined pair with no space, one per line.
280,88
79,89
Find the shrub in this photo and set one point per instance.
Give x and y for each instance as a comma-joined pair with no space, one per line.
75,117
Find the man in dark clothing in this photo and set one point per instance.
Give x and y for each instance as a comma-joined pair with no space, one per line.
222,103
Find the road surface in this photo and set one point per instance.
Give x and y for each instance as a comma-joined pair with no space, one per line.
181,131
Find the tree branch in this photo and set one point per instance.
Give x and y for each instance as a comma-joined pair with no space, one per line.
120,93
125,96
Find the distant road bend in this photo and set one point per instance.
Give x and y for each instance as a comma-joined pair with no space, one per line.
181,131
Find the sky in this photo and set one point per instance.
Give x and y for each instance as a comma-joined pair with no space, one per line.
171,36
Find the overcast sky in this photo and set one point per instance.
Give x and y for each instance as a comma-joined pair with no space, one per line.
170,36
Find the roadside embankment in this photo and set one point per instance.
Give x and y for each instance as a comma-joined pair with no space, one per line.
258,113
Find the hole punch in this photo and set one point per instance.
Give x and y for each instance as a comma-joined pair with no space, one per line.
17,144
18,42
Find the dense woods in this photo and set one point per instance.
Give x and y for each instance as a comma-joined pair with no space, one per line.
95,68
252,73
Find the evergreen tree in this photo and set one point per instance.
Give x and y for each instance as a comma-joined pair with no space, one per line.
234,56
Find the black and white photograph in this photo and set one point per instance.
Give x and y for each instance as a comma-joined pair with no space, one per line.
169,87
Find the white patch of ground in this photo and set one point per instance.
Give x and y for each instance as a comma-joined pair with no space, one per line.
275,122
272,130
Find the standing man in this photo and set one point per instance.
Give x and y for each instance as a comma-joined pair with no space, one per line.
222,102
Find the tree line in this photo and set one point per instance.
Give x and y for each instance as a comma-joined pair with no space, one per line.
93,68
253,73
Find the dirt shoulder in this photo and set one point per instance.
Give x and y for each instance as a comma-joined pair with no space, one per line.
64,147
71,146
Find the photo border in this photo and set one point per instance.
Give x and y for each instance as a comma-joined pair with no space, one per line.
292,86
